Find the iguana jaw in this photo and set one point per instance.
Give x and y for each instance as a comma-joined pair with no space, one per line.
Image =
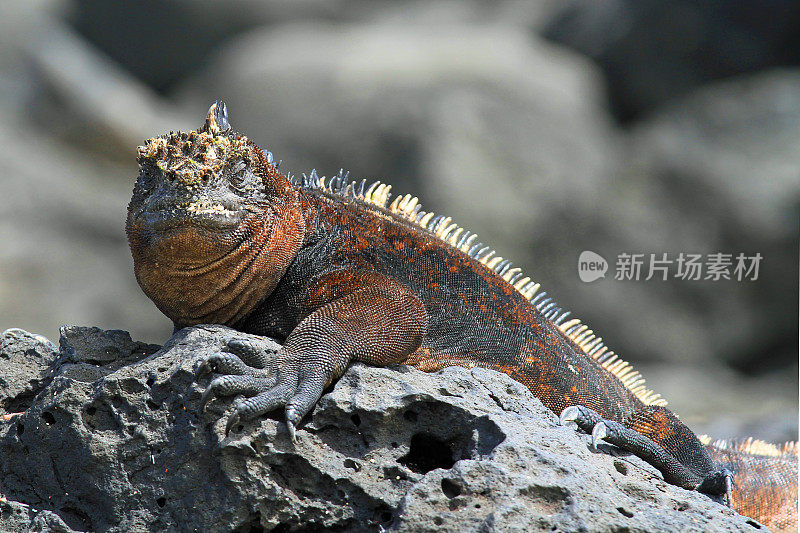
171,264
184,241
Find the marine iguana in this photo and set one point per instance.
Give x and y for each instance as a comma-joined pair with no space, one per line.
340,273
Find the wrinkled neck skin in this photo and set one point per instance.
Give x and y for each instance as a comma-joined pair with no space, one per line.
195,275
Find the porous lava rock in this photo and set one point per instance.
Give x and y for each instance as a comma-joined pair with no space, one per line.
113,440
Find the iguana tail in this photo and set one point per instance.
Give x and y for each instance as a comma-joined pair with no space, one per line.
766,479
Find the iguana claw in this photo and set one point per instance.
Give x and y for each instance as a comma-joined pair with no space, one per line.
569,414
584,417
205,367
729,490
209,393
599,432
233,419
719,482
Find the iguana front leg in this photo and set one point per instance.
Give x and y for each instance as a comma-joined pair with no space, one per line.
379,322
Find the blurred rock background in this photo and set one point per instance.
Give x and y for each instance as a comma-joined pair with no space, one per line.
546,127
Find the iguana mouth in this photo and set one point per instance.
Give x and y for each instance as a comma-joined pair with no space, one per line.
209,219
219,215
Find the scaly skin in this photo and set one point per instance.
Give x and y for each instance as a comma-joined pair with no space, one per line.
766,480
219,235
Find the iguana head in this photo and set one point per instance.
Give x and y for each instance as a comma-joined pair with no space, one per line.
212,224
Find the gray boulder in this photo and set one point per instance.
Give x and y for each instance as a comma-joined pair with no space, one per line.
112,447
26,360
717,171
652,52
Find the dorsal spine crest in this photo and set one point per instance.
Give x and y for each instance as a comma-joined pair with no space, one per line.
408,207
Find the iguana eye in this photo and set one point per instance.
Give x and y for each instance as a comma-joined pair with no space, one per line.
237,175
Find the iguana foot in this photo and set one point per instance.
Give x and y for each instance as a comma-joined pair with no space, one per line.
266,377
718,482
